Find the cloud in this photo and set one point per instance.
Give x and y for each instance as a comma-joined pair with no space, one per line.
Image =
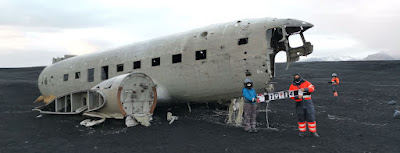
69,41
353,28
46,13
24,58
71,14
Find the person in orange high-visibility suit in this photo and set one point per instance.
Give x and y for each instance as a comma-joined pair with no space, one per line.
335,83
304,105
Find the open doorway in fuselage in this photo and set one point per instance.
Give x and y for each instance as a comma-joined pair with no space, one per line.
276,40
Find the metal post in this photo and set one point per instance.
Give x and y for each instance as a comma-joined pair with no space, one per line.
266,114
190,109
56,108
65,103
87,101
70,99
99,99
302,38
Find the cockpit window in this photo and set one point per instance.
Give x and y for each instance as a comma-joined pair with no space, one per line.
292,30
294,36
295,41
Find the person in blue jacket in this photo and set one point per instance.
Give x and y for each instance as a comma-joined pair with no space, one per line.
250,106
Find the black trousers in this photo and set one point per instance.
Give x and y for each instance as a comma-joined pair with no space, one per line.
335,88
305,111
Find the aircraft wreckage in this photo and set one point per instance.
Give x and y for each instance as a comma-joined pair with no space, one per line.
203,65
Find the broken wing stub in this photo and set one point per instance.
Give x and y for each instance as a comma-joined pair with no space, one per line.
133,96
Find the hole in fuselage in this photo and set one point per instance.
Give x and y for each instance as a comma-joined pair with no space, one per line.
84,101
177,58
275,36
204,34
201,54
77,75
247,73
104,73
120,67
155,61
280,57
136,65
243,41
90,75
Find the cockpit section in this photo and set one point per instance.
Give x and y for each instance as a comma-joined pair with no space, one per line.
280,39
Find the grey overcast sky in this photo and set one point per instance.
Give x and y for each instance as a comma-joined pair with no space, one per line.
32,32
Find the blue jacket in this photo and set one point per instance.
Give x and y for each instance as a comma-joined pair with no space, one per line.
249,94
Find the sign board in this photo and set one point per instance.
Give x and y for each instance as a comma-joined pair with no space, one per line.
279,95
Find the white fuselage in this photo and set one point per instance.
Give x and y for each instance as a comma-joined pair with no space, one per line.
217,77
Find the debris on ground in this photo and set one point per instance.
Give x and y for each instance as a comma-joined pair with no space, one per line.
171,118
396,114
89,122
130,121
392,102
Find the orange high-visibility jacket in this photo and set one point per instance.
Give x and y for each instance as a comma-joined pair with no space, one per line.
336,79
308,87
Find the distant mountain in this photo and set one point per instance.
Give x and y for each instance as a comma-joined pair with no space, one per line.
379,56
329,58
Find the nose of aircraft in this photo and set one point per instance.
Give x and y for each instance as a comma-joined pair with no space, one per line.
297,23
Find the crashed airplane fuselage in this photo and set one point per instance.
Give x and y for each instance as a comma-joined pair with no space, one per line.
203,65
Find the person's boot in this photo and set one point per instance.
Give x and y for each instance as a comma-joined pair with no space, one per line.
315,134
302,134
255,130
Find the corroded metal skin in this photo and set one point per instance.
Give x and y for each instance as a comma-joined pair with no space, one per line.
128,94
234,51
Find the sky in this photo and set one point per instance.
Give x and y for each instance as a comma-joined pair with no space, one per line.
32,32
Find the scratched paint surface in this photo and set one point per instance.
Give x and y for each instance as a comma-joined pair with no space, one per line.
210,79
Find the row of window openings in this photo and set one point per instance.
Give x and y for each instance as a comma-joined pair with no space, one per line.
177,58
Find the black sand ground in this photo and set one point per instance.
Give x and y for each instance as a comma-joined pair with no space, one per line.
358,121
